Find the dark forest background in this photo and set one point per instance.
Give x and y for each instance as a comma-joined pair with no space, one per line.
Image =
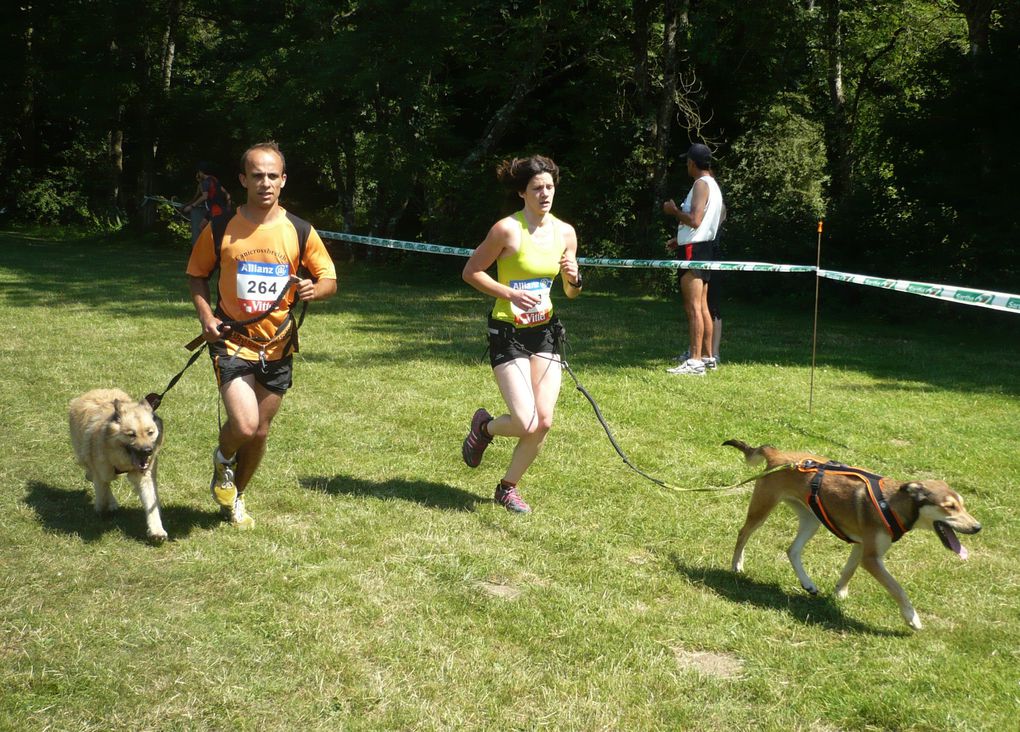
893,121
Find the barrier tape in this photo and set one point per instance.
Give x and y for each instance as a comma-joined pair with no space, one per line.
982,298
160,199
587,261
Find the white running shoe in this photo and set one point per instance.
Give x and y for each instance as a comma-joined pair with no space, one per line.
690,367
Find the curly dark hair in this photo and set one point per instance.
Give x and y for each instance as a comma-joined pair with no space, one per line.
516,173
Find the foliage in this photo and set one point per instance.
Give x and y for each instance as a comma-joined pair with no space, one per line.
394,115
52,198
775,190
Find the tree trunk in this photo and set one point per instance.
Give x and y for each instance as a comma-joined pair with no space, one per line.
979,19
639,49
26,123
115,158
153,96
345,175
674,17
837,125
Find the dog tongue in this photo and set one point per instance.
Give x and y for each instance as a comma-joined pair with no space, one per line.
949,540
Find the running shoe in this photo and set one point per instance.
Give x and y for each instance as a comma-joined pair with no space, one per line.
711,364
476,440
690,367
222,484
508,497
237,515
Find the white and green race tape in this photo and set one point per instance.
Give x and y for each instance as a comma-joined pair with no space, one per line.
968,296
965,295
587,261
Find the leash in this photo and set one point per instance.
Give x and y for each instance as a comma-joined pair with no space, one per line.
623,456
155,399
560,336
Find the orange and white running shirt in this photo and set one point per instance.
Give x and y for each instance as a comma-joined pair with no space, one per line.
256,261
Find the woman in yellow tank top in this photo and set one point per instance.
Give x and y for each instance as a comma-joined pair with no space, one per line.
529,249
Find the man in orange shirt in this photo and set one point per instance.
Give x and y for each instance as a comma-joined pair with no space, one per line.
259,256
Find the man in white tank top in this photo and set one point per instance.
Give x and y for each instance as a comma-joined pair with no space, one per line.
697,227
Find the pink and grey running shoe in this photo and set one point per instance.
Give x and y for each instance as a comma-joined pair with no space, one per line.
508,497
476,440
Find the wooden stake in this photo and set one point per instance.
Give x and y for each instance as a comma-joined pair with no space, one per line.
814,335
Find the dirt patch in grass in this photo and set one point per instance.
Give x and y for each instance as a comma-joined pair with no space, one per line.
499,588
716,665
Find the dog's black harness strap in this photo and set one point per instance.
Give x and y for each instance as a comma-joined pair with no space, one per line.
815,500
871,481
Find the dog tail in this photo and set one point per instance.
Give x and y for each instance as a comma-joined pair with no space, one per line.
752,455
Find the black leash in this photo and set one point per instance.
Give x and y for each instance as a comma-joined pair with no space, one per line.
155,399
560,336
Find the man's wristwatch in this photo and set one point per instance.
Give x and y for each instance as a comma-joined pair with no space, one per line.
579,282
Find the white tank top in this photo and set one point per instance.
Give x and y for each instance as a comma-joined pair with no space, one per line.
710,221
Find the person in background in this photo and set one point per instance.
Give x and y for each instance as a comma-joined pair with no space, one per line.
698,221
211,200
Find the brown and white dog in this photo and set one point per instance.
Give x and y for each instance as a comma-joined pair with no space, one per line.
112,434
850,510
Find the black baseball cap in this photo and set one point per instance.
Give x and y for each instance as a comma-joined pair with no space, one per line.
700,154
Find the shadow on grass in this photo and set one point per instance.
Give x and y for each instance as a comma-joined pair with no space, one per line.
819,610
430,495
71,513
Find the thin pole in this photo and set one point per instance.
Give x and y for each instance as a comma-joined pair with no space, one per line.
814,335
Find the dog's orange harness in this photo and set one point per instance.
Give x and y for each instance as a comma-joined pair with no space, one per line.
872,482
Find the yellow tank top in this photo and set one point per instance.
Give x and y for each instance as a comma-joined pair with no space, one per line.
533,267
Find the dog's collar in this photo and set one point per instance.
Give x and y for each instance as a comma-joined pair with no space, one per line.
872,482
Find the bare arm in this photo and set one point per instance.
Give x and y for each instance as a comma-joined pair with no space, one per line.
323,289
200,196
568,263
699,203
199,287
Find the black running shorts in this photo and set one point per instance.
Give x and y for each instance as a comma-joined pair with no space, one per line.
276,376
507,342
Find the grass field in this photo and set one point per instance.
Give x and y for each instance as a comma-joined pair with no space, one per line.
381,588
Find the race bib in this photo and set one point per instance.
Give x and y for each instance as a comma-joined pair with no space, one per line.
538,313
259,284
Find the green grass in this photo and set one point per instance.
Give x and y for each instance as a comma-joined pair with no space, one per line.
381,588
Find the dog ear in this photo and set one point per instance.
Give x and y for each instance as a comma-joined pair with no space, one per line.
116,410
916,491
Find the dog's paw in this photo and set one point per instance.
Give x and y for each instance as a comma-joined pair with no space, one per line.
106,509
913,621
810,588
158,537
842,592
